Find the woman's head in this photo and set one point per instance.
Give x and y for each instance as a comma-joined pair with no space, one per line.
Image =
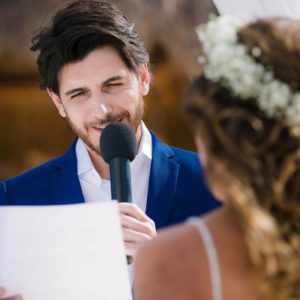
253,136
245,112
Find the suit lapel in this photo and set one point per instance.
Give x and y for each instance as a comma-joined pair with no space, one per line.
66,183
162,183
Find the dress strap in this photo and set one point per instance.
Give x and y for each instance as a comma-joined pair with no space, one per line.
211,252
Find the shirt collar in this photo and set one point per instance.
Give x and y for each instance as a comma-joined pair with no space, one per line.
84,162
85,168
145,146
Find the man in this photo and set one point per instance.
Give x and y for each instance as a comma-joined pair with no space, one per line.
95,69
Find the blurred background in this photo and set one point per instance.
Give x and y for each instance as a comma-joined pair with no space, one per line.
31,131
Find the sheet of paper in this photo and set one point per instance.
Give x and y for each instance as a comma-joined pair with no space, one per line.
66,252
259,8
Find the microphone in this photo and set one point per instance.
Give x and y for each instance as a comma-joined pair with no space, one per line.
118,148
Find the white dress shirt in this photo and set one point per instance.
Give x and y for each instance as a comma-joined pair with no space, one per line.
97,189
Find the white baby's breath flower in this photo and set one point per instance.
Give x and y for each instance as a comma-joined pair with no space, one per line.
274,98
229,63
293,110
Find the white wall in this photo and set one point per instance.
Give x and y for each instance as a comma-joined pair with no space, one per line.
259,8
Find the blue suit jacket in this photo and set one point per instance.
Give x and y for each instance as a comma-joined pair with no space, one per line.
176,186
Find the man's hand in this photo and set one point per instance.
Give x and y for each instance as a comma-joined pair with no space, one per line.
137,228
2,294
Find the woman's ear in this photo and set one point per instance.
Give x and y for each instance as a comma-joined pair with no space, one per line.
57,102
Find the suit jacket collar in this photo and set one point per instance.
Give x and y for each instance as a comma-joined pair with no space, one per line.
66,183
162,183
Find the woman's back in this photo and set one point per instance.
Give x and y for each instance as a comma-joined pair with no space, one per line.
179,268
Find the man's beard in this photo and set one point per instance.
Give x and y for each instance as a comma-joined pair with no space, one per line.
133,121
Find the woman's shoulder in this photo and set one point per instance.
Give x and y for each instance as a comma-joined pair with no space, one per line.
180,238
170,266
167,248
175,264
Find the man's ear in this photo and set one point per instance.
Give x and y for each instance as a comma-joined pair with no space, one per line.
144,79
57,102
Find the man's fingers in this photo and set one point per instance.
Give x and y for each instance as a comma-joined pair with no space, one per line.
133,236
134,240
137,228
133,210
132,223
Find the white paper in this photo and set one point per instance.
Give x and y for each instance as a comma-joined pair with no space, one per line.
66,252
259,8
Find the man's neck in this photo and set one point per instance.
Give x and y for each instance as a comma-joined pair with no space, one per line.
99,163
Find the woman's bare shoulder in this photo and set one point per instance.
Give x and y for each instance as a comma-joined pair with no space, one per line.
170,266
175,266
181,239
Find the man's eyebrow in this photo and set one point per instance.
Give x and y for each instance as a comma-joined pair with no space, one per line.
72,91
114,78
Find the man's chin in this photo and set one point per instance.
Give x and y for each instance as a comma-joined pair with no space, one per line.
94,149
91,146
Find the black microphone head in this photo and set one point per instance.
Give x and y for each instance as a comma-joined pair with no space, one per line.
117,140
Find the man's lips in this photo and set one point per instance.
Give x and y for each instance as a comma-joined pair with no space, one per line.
100,128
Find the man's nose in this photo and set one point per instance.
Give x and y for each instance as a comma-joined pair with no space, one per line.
104,108
101,106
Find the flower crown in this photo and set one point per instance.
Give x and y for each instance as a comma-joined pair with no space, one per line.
230,64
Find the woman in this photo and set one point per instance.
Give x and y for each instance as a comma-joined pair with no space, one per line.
245,112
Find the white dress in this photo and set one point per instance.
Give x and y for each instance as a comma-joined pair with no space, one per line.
211,252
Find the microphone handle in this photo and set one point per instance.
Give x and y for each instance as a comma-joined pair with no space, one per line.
120,184
120,179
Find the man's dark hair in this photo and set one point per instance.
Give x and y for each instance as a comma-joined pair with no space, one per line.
80,28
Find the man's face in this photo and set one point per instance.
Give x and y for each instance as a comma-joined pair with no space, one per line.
99,90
